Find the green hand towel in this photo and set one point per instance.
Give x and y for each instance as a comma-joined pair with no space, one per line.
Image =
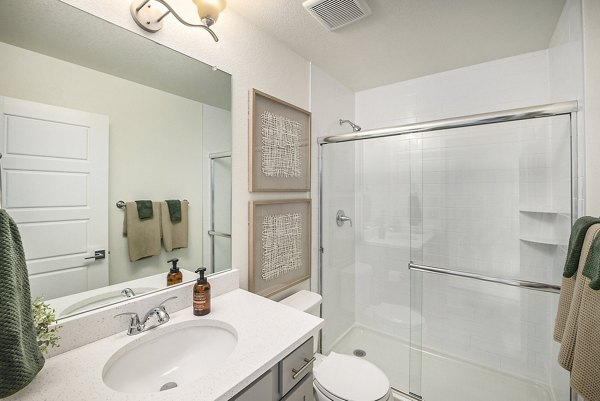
174,210
144,208
591,269
20,356
576,243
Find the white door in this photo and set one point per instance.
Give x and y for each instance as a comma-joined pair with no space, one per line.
55,186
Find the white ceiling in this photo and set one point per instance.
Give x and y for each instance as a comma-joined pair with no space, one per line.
405,39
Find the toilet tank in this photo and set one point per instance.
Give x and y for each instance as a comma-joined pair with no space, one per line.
305,301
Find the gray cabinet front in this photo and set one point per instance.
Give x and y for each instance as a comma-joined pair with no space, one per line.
289,380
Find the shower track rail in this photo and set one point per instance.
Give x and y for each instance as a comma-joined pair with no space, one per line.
495,117
528,285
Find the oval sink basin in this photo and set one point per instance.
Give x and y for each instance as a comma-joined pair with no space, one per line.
169,357
101,300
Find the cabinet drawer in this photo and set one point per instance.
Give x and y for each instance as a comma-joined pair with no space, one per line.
303,391
295,366
261,389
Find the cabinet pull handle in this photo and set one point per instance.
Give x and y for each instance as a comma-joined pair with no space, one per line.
303,368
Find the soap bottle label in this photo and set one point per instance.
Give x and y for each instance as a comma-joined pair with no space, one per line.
200,300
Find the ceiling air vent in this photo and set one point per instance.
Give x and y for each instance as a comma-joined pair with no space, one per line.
334,14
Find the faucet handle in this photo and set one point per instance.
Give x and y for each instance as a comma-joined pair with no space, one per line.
135,326
134,316
162,304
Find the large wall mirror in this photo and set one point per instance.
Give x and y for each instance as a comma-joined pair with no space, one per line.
93,114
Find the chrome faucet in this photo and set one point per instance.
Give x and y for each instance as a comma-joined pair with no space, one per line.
153,318
128,293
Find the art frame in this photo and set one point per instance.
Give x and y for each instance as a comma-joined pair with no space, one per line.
278,262
280,145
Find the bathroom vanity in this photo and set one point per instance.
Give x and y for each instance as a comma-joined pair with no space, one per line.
261,350
289,380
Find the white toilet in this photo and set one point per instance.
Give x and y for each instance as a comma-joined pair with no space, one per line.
341,377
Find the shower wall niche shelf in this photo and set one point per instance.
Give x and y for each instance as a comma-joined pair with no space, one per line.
541,240
541,210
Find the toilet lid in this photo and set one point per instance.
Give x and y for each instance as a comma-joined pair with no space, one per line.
351,378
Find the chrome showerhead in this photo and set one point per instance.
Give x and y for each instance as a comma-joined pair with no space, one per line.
355,127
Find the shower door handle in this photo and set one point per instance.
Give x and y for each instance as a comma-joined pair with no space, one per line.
341,218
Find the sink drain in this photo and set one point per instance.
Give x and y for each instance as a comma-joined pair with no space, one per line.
168,386
359,353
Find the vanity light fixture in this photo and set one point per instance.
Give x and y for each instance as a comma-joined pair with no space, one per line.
150,18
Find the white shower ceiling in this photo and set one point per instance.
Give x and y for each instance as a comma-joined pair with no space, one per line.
405,39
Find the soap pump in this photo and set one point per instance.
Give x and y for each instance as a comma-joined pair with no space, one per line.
201,300
174,276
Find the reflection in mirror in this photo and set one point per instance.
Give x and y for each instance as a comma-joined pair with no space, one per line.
93,114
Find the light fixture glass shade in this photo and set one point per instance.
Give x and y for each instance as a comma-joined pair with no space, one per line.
209,9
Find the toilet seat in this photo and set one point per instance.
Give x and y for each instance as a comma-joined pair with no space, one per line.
348,378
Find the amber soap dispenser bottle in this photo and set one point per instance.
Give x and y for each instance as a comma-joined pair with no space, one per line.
201,303
174,276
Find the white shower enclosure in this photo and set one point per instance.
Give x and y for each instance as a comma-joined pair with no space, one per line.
481,208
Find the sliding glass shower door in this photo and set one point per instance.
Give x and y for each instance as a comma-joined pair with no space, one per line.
365,280
495,204
490,201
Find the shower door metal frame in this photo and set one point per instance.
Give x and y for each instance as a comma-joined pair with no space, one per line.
569,108
211,231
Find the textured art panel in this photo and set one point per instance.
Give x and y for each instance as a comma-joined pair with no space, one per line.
280,146
281,244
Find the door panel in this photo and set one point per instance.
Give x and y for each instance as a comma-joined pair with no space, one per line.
54,239
55,187
27,136
53,285
45,189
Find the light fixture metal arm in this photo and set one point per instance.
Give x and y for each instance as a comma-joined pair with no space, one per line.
152,22
184,22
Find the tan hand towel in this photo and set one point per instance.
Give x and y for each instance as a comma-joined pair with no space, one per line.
585,375
576,239
577,283
175,235
143,236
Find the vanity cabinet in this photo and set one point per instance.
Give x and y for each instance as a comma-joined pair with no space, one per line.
289,380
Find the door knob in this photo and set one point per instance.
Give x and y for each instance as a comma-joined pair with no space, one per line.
101,254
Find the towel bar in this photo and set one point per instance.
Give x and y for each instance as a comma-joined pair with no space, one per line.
121,205
528,285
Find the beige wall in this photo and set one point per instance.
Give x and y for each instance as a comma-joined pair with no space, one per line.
155,143
591,57
255,60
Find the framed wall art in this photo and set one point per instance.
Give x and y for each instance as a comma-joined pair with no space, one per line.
279,245
279,159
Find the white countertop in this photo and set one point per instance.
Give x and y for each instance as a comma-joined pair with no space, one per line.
267,331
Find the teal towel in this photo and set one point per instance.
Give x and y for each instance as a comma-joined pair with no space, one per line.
144,208
591,269
174,210
576,243
20,356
